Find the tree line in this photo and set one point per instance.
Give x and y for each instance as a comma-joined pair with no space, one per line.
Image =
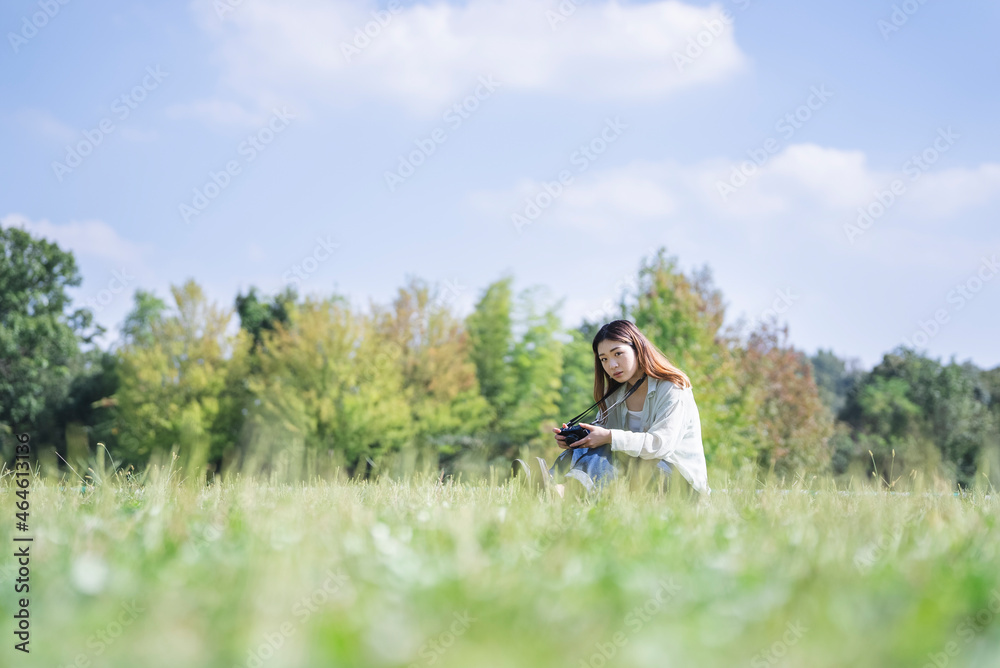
306,385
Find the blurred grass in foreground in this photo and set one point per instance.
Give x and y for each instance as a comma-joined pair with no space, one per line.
153,571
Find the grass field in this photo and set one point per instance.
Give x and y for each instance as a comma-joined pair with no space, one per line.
424,572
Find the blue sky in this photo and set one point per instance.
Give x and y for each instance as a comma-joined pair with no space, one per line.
672,99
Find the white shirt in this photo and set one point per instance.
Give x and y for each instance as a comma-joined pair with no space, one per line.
634,420
670,429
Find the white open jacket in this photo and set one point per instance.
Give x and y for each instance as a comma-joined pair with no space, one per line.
671,430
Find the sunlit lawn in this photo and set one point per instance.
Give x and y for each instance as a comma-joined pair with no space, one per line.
424,572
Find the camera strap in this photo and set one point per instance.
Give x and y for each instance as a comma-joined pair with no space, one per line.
627,395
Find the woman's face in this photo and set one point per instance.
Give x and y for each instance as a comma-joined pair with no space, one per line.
619,360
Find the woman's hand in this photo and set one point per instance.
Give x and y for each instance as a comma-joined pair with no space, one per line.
597,437
561,440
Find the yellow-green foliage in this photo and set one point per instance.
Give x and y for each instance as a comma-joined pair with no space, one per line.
322,389
420,335
178,382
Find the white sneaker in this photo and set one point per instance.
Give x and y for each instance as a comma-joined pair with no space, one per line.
543,475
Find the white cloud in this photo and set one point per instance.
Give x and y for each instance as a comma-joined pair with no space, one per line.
806,178
216,111
803,196
835,178
43,123
948,192
426,56
782,233
92,238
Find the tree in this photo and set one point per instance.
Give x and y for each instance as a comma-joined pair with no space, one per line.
792,421
536,365
683,316
180,379
989,464
492,338
834,377
139,324
39,339
439,379
576,387
932,415
521,375
323,390
257,316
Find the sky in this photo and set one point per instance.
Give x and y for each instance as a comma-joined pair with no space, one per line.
836,164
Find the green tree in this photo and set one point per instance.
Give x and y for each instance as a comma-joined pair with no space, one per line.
139,324
536,365
39,338
925,413
490,329
520,374
324,395
180,379
989,465
576,387
258,316
683,316
422,336
88,408
834,377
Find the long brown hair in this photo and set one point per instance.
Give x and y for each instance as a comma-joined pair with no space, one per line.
651,359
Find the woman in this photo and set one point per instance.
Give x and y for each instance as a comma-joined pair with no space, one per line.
658,420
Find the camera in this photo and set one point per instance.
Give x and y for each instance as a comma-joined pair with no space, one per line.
574,433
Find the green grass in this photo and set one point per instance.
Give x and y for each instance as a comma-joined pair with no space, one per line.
424,572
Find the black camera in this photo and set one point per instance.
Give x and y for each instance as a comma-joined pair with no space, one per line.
574,433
